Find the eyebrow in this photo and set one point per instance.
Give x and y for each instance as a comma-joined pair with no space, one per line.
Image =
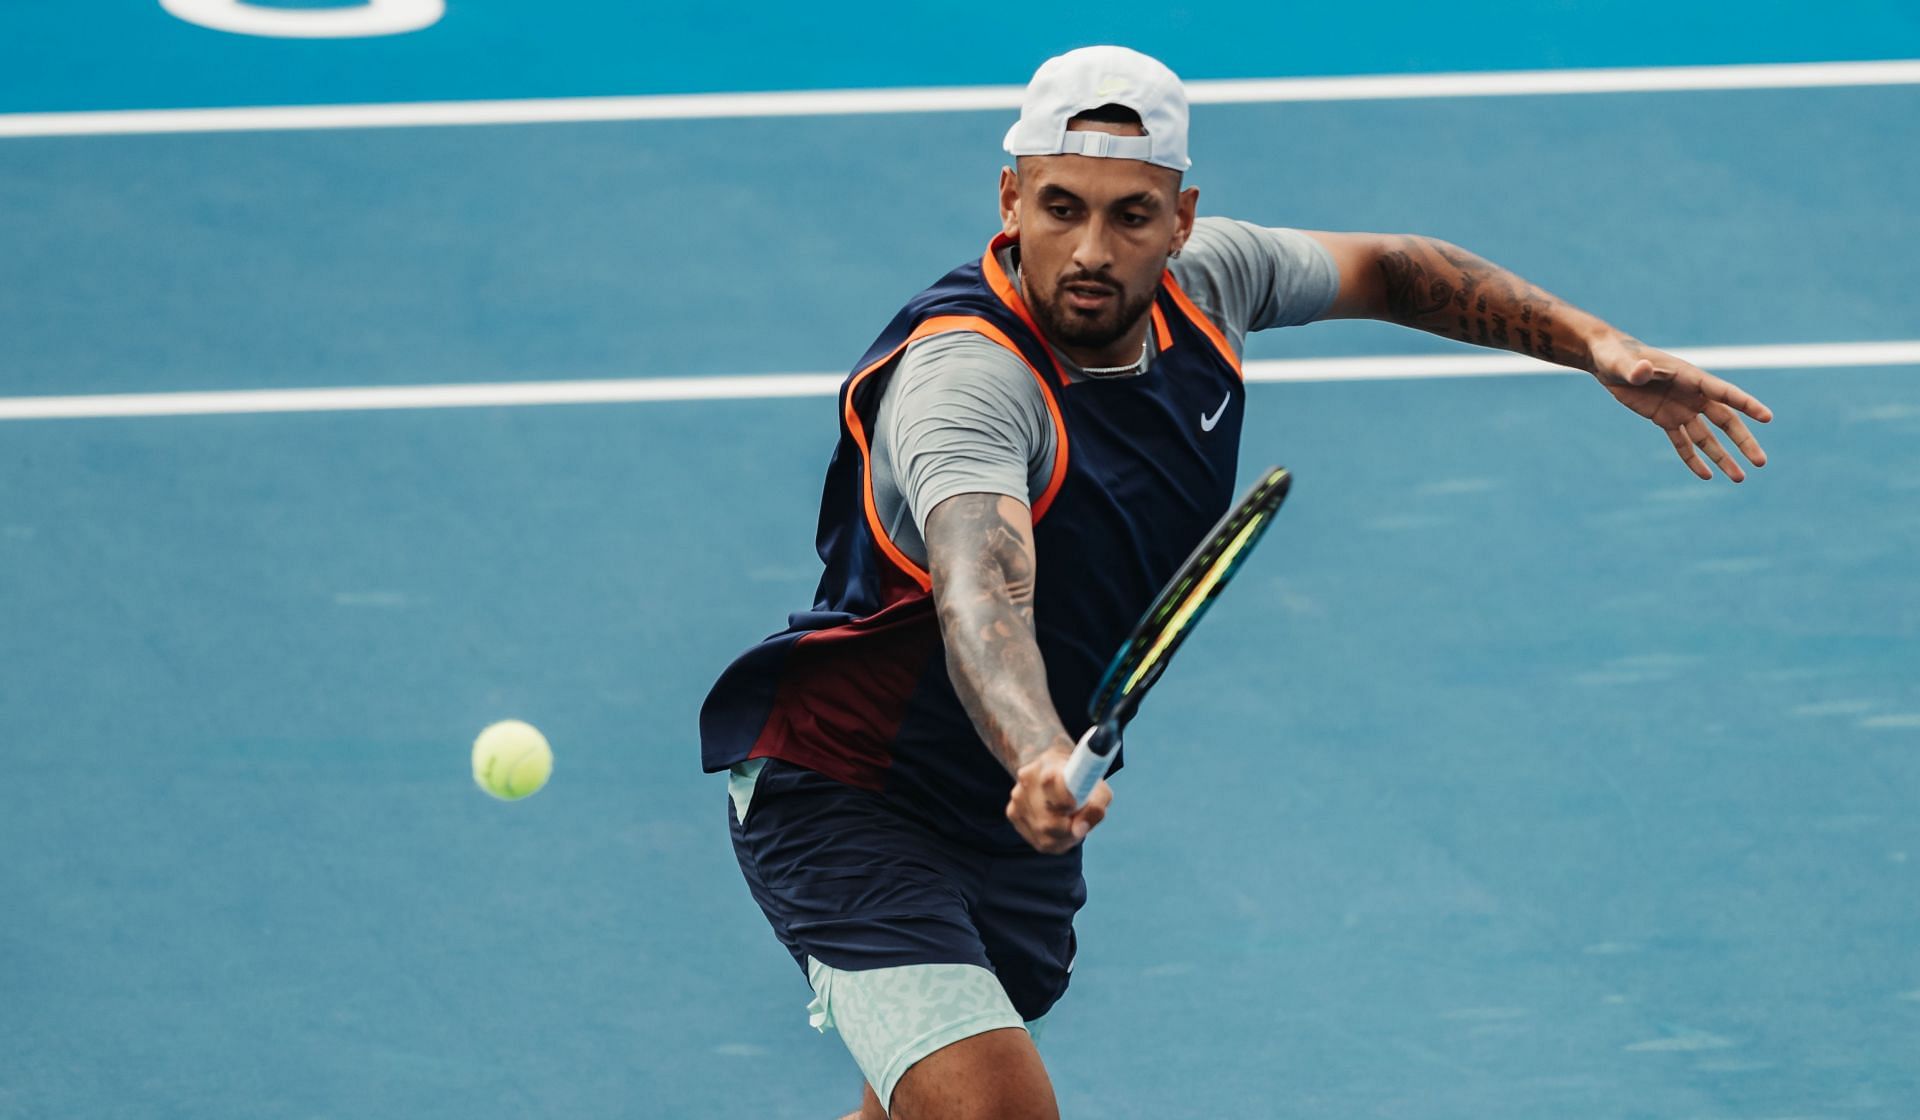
1144,199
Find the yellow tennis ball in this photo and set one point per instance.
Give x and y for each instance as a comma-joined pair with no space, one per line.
511,760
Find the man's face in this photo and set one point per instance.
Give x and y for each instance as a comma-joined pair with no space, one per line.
1095,234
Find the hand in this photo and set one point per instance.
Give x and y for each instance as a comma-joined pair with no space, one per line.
1681,398
1041,807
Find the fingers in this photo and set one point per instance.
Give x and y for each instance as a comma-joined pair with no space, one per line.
1718,390
1042,820
1692,379
1049,835
1729,421
1683,404
1094,811
1703,438
1726,392
1041,808
1696,434
1721,411
1683,447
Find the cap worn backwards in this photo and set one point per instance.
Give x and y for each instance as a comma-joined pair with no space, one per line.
1088,78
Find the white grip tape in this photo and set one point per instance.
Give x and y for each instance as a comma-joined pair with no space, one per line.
1085,768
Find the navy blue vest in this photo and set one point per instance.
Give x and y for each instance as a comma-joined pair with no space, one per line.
857,688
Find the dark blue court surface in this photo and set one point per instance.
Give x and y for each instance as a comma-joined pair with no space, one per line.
1520,775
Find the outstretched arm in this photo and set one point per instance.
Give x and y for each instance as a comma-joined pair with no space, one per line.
980,554
1434,286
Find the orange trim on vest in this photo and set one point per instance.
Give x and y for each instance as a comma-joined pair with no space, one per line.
946,324
1160,326
1199,319
1002,286
851,417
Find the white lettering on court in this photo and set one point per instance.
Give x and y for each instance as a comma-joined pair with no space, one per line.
361,21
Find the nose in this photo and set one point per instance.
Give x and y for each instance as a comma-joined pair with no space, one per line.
1093,249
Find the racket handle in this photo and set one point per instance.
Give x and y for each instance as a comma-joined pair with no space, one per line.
1089,761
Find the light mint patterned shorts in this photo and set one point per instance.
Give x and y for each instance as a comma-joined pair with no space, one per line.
890,1018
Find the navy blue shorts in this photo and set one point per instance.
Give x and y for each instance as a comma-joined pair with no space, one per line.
857,882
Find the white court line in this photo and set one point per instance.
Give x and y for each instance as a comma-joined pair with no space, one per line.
948,99
762,386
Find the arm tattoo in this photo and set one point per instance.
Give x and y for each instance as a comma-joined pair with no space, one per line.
980,554
1443,289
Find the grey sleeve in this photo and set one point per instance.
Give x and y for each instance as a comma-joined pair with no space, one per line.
963,415
1252,278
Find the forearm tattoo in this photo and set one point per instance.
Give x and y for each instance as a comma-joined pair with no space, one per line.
980,553
1445,290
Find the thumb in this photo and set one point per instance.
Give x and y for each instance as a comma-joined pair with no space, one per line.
1641,373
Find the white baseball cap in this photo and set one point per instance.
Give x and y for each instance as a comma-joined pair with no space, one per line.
1088,78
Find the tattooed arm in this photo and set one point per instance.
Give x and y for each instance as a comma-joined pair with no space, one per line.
1430,285
980,554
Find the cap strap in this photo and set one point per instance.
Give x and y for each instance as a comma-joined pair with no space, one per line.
1106,144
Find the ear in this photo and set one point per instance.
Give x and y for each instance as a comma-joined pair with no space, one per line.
1184,209
1010,202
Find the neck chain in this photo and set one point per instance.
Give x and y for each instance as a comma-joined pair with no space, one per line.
1136,366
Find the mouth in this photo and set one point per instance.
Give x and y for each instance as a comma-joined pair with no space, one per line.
1088,297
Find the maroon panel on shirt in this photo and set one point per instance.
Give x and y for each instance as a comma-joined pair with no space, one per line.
844,691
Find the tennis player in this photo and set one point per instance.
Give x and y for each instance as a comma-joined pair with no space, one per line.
1026,453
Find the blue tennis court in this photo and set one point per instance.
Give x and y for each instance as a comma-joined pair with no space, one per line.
1521,774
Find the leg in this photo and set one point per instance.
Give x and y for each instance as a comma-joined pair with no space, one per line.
840,871
936,1042
869,1106
991,1076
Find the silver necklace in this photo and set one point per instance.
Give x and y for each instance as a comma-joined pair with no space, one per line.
1138,365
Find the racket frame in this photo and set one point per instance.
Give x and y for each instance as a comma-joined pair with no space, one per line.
1143,657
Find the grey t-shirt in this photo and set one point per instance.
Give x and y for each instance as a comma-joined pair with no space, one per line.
963,415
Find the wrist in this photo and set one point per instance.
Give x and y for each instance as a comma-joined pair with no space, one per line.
1611,351
1061,747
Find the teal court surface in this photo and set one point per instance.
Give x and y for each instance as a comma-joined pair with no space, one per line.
1520,775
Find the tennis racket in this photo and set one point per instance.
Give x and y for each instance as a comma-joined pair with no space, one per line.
1166,624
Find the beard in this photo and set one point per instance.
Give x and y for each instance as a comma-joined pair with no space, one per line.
1089,330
